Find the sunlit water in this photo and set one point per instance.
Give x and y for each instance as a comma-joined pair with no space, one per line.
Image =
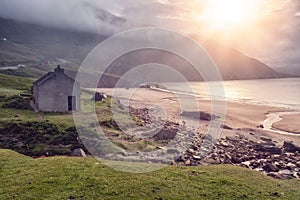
282,93
272,92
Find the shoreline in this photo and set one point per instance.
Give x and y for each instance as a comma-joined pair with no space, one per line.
240,140
292,118
239,115
274,122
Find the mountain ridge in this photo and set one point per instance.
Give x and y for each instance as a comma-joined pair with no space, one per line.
22,42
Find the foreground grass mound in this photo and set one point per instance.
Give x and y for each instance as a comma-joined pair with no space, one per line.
38,138
85,178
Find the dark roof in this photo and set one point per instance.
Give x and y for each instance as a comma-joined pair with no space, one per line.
44,78
49,75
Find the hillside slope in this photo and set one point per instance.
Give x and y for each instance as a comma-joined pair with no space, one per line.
234,65
42,48
86,178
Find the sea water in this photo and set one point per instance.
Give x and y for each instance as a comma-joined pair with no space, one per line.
284,93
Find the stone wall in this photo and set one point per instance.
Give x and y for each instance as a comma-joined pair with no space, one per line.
52,94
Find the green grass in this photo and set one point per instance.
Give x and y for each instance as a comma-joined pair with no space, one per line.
12,85
16,119
85,178
10,88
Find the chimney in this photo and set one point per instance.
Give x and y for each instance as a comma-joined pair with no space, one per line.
59,70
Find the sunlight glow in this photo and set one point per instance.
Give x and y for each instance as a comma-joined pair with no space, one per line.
226,14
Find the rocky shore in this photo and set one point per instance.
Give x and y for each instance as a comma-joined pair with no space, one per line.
243,141
278,161
246,148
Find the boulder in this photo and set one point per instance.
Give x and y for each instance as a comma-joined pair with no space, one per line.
224,126
78,153
236,160
173,151
199,115
289,146
266,139
260,126
197,157
187,162
267,147
166,134
270,168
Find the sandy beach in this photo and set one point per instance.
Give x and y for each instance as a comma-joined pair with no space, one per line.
241,117
289,123
248,137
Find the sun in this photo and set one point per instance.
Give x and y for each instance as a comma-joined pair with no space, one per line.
224,14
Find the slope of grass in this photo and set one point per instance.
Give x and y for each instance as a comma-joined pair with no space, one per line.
22,129
14,83
86,178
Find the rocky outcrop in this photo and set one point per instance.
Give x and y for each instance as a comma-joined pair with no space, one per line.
78,153
200,115
289,146
264,155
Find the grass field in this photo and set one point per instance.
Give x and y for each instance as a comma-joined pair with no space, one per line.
36,134
86,178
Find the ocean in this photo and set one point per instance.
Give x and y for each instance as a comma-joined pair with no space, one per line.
284,93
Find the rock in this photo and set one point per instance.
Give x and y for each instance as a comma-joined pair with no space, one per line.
266,139
290,147
78,153
276,194
270,148
194,147
224,126
173,151
199,115
191,151
298,164
228,156
166,134
236,160
270,168
275,175
180,159
224,144
260,126
197,157
187,162
286,174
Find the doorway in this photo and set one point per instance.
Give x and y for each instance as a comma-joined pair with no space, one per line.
71,103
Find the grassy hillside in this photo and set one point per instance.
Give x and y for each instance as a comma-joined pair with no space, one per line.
86,178
32,45
14,83
37,134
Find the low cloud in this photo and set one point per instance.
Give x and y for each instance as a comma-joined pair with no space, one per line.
84,15
275,41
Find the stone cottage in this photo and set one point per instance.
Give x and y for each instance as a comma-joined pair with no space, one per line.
56,92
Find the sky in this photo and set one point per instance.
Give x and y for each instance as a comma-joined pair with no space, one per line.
266,29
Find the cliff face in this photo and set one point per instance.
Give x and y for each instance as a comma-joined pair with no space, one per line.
23,43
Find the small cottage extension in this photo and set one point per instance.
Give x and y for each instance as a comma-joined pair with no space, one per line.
53,92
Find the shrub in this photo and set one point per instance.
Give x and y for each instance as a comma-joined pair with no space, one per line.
17,102
38,138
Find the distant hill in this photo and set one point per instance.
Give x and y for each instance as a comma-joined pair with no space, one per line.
41,48
295,71
234,65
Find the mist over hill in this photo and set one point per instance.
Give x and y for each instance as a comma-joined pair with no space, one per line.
40,48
